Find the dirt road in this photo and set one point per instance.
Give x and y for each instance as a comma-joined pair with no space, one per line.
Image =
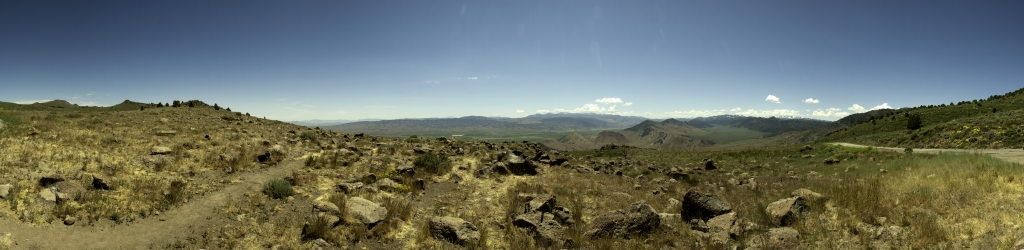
142,233
1010,155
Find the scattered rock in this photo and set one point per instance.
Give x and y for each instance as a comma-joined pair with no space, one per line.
723,229
160,150
709,165
670,220
778,238
785,212
547,231
50,180
5,190
367,212
807,194
166,133
673,204
518,165
406,170
349,188
327,207
538,202
830,161
67,190
48,195
100,183
454,230
387,185
322,243
639,218
806,148
69,220
698,205
369,178
265,157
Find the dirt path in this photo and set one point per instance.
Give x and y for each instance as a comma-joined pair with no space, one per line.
1010,155
142,233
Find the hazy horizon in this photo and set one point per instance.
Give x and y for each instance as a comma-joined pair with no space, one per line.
297,61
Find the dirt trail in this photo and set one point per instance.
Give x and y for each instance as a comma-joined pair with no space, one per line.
1010,155
142,233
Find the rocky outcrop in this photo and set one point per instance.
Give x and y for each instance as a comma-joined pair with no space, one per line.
454,230
638,219
544,218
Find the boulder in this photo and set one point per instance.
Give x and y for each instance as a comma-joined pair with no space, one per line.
100,183
545,227
806,148
454,230
785,212
367,212
518,165
327,207
719,228
369,178
349,188
69,220
639,218
698,205
538,202
48,195
387,185
262,158
5,190
50,180
670,220
68,190
709,165
406,170
807,194
830,161
782,238
160,150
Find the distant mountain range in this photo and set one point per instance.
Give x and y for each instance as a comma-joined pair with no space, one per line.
488,125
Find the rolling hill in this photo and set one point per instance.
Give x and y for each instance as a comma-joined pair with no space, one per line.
995,122
670,134
488,125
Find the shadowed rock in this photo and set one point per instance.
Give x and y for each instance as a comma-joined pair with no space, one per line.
454,230
639,218
787,211
698,205
367,212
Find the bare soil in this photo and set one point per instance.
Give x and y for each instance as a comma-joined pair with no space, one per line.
1010,155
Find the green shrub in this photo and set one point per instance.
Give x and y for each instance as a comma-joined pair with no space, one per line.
433,163
318,227
908,150
278,188
308,136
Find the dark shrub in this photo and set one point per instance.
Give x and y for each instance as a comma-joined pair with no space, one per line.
433,163
278,188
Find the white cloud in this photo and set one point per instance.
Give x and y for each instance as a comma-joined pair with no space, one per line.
860,109
736,109
830,112
772,98
520,111
543,111
31,101
811,101
856,108
609,101
472,78
627,104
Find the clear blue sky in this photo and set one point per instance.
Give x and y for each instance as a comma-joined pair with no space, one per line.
300,60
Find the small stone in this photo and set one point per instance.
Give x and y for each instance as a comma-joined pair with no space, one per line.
5,190
69,220
160,150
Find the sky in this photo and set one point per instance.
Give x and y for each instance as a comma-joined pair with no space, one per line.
349,60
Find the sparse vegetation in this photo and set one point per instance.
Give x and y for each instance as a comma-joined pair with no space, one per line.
433,163
278,189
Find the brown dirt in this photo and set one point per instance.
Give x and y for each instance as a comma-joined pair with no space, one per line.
1010,155
172,225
